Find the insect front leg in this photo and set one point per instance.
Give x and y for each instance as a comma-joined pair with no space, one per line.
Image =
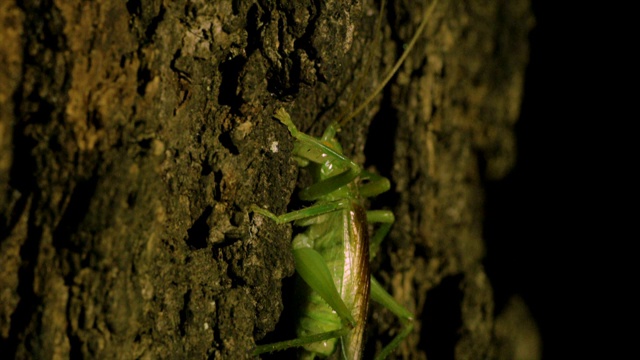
318,151
372,184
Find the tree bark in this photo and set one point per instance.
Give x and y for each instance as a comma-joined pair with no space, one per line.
134,137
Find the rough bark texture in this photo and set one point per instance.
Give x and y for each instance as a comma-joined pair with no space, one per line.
134,136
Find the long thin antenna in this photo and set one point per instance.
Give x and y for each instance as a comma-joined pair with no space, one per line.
423,24
367,63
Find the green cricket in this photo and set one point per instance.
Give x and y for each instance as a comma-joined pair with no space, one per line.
332,255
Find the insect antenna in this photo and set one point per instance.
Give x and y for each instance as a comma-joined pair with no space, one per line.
427,14
366,67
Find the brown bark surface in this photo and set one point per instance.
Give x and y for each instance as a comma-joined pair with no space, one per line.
135,135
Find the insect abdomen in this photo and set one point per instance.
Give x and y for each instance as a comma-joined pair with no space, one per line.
316,316
341,239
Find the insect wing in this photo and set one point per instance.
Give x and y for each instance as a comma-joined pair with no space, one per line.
356,279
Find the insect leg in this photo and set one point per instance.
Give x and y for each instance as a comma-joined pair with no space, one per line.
386,218
309,263
312,268
379,295
314,271
315,150
373,185
301,341
305,213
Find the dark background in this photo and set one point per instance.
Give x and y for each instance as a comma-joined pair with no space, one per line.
543,228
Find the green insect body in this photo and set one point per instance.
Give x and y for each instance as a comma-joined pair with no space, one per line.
332,255
340,238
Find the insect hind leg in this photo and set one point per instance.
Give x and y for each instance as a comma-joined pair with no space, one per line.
379,295
377,292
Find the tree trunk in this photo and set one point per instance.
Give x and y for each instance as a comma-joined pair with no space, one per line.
134,137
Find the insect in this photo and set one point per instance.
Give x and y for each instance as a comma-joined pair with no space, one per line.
332,255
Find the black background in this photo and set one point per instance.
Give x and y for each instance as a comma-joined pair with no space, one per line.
548,237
